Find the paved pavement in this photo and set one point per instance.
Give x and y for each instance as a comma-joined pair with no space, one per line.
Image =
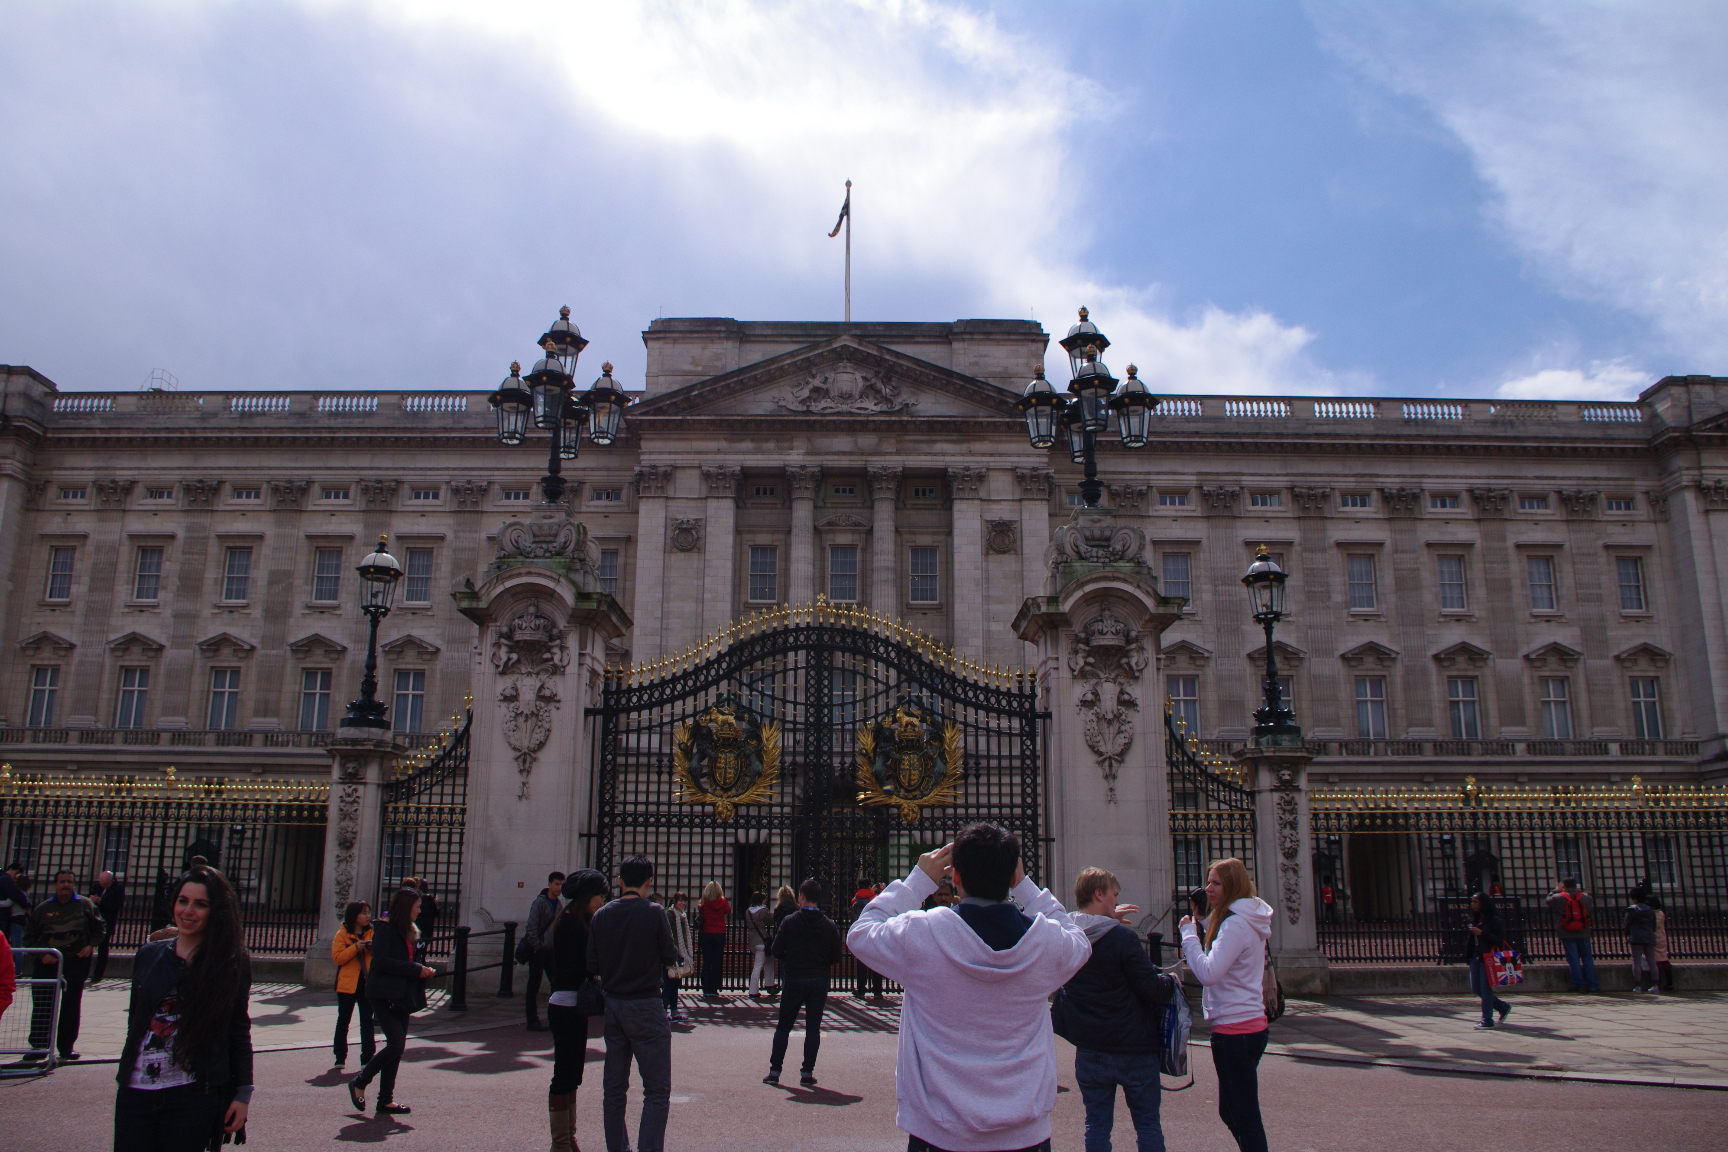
1357,1074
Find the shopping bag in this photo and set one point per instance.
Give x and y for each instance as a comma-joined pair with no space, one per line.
1504,967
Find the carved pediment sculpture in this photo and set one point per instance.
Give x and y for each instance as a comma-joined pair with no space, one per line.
225,646
135,643
37,643
317,644
1463,655
549,534
529,652
1371,654
1289,656
844,387
1644,656
1096,542
409,649
1554,655
1002,536
1185,655
1106,658
686,535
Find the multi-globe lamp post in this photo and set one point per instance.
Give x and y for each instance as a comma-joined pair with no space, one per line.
1265,584
379,573
548,396
1095,401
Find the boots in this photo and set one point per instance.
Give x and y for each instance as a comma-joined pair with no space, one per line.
561,1114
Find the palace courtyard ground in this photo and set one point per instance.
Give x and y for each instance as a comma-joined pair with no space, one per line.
1568,1072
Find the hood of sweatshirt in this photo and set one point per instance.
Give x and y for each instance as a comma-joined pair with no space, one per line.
1095,926
963,948
1256,913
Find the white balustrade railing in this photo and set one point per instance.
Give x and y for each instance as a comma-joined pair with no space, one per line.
347,402
1611,413
278,402
1346,410
1433,410
1180,406
436,402
88,402
1258,409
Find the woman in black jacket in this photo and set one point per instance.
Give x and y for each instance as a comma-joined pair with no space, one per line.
586,890
396,986
186,1068
1486,935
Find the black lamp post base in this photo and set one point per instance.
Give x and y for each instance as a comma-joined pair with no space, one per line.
356,719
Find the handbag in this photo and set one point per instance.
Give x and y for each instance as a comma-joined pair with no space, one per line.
1504,967
590,997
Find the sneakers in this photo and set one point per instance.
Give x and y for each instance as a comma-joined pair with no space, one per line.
1504,1012
807,1080
773,1077
1484,1024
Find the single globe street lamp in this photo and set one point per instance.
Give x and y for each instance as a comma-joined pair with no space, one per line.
1095,402
379,573
548,396
1265,584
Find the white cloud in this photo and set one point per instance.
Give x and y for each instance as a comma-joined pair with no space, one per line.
1599,129
1615,380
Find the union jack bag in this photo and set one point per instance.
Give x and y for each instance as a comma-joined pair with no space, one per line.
1504,967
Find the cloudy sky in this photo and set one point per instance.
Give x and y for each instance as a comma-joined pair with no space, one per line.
1460,199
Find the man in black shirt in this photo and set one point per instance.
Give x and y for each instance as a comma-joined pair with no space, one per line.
807,946
110,898
629,948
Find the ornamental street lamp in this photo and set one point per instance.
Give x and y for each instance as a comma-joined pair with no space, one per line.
378,575
548,395
1265,584
1095,402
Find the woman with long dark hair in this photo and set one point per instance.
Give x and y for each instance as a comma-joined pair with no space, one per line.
396,985
1486,935
186,1068
586,890
351,951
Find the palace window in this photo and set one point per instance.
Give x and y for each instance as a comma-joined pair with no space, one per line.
1362,590
237,574
224,711
923,587
333,493
117,849
765,491
1659,860
1354,500
1532,503
845,489
843,573
1178,580
247,493
1461,703
1264,500
1188,862
158,493
327,575
1620,504
764,574
44,695
424,495
1630,572
1540,570
1184,693
417,584
1646,708
606,496
1452,591
1556,694
515,495
74,493
147,574
609,570
60,562
134,689
410,699
1442,503
25,846
923,491
1370,708
315,700
1172,499
1569,858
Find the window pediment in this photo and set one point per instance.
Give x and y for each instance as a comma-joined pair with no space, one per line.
46,644
136,643
1369,655
1463,655
225,646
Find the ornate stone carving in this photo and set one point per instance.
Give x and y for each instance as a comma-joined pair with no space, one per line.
686,535
963,482
1580,504
721,480
225,646
39,642
1311,501
1644,656
378,493
37,489
470,493
112,493
317,644
1371,653
1220,501
1035,483
1463,655
549,534
1289,847
288,494
1555,654
1129,497
409,649
1106,659
1491,501
1402,501
803,480
845,387
1658,504
884,483
1097,542
135,643
1003,536
199,493
529,651
653,479
1715,495
843,520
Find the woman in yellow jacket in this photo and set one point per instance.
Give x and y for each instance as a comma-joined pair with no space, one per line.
352,952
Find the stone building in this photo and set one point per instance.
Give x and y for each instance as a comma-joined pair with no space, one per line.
1519,592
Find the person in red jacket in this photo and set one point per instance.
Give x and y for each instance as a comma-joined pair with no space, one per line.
8,975
713,911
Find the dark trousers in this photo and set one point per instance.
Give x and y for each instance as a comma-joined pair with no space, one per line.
868,976
569,1048
166,1119
913,1144
669,987
536,968
1484,989
101,957
346,1002
639,1030
713,949
393,1022
1098,1074
77,969
811,995
1236,1059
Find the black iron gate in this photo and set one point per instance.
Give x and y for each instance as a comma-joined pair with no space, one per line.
820,741
1211,812
423,816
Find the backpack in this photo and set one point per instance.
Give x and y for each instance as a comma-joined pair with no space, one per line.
1271,990
1574,918
1178,1021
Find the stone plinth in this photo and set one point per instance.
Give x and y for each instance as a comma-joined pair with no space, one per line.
1277,770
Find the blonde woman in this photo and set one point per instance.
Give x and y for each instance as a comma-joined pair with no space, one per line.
713,912
1232,966
678,919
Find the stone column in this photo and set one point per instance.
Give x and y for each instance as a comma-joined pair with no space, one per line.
1036,486
967,585
362,760
1096,634
884,540
803,480
652,481
1284,860
720,566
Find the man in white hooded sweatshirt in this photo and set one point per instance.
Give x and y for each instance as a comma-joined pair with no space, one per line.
976,1065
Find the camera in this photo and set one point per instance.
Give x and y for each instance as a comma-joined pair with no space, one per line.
1197,898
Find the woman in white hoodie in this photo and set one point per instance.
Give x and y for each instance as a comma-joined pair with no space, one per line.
1232,966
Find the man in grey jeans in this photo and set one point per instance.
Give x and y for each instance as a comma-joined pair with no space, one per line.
629,948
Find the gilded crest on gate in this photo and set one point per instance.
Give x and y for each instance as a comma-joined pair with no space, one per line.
910,760
726,757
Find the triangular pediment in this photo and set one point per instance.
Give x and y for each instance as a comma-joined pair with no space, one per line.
1288,653
319,645
1463,655
226,645
135,643
1185,654
1555,655
409,649
1371,654
842,378
1644,656
45,643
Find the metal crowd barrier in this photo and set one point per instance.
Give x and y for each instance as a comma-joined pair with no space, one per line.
460,970
19,1057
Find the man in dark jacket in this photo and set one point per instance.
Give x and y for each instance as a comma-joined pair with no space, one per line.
537,941
807,946
70,923
1111,1011
1573,909
629,948
1640,924
14,904
110,898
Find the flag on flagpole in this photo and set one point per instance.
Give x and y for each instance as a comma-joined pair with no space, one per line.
845,211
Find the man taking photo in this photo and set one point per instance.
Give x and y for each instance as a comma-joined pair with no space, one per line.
976,1064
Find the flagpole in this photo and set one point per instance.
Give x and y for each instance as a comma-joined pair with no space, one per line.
848,252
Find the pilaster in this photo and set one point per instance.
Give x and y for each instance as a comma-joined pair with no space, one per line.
884,549
967,517
652,482
720,483
802,480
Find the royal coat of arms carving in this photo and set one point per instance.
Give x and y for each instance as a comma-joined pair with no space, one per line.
910,760
726,757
